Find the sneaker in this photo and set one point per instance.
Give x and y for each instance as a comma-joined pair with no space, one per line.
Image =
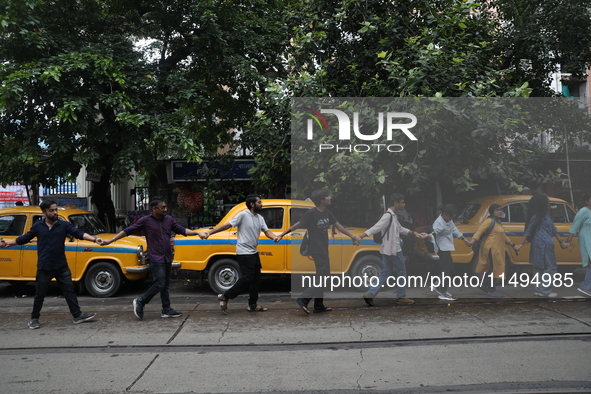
447,297
584,291
34,324
549,295
436,290
171,313
404,301
368,298
495,294
84,317
138,308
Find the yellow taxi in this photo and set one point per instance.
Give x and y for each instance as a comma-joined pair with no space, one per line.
99,269
472,214
217,254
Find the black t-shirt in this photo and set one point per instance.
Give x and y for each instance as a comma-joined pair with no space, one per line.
317,223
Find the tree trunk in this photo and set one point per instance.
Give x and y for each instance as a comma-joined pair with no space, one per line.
101,198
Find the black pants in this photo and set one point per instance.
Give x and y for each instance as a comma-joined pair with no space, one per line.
63,276
161,273
322,263
446,266
250,278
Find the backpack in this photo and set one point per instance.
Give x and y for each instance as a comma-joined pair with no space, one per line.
379,237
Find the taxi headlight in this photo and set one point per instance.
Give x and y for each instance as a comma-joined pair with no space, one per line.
141,255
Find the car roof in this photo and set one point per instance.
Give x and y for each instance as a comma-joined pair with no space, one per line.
507,199
33,209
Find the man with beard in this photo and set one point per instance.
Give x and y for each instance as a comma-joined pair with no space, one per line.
249,224
157,227
51,234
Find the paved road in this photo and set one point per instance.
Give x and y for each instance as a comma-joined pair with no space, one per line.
473,345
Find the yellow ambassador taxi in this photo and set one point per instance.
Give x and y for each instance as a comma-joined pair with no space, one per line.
217,254
99,269
472,214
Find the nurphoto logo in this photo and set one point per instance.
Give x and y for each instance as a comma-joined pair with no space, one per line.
344,130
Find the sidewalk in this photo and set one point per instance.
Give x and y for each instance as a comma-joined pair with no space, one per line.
432,346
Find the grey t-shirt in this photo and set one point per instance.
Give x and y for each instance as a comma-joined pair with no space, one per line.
249,229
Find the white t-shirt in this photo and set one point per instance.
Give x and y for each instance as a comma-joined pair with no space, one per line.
249,230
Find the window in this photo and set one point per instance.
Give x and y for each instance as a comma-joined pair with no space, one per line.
296,215
468,211
560,213
90,224
517,212
273,217
12,224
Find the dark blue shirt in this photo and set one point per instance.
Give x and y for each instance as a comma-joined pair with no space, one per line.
158,233
51,250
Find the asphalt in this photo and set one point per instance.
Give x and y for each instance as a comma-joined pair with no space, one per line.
519,343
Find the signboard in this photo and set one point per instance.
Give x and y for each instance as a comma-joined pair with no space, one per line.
182,171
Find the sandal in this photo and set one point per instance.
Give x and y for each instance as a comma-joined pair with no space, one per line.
327,309
223,303
256,308
303,305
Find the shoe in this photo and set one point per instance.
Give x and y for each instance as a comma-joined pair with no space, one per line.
170,313
447,297
320,310
584,291
368,298
404,301
495,294
436,290
223,303
34,324
83,317
549,295
138,308
303,305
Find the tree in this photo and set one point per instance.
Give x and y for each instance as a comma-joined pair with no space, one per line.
77,89
426,48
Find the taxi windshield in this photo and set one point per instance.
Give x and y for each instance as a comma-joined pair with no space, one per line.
88,223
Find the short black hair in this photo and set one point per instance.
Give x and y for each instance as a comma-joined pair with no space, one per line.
155,201
395,197
46,204
319,195
251,199
449,210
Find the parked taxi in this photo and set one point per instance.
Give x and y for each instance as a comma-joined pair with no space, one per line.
99,269
217,254
474,212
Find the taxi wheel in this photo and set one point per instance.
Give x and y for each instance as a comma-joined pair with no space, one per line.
369,265
223,274
102,280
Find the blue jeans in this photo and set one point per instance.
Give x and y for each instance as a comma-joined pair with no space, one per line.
586,283
161,273
63,277
390,262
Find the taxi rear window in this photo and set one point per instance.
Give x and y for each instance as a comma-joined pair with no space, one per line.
468,211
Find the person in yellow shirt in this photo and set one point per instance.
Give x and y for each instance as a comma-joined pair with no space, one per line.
491,257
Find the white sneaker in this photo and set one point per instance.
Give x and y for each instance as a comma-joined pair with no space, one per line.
433,288
584,291
446,296
550,295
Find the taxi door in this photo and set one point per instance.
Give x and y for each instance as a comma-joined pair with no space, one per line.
272,253
29,269
296,263
11,227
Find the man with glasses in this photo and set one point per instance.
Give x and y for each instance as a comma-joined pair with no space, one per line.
157,228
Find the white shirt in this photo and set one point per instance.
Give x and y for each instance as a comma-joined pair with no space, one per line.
445,232
391,242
